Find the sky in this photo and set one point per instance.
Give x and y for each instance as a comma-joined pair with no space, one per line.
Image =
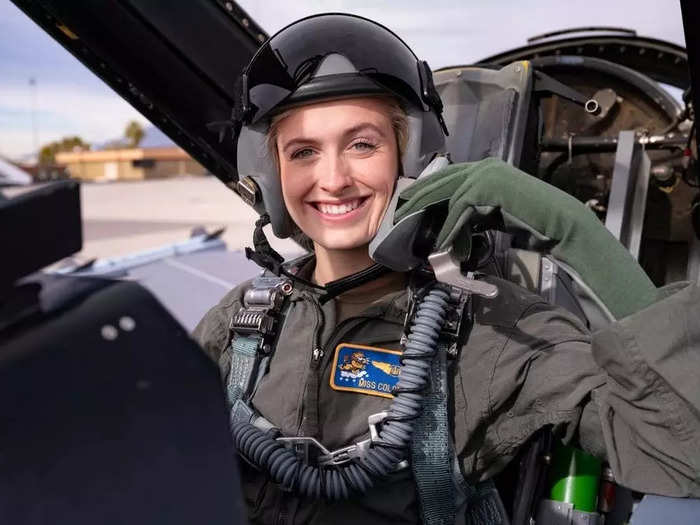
67,99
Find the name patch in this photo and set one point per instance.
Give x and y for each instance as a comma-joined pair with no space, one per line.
365,369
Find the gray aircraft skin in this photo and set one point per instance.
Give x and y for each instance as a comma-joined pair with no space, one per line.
11,175
582,109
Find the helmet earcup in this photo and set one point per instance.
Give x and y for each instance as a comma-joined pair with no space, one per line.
256,161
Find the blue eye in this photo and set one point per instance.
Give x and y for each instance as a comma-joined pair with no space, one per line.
303,153
364,146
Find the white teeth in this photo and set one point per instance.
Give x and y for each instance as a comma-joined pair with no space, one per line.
338,209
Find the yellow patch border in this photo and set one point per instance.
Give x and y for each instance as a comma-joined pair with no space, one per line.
352,388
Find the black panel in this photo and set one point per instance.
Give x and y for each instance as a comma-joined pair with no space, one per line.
176,62
39,227
110,413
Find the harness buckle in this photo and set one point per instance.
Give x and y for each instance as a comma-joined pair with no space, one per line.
456,320
458,317
304,446
356,450
311,450
261,306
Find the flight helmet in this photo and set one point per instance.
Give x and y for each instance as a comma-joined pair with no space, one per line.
323,57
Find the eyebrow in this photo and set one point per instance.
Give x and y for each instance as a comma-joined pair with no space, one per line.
305,141
362,127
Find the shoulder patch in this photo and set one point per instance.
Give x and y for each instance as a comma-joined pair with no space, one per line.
365,369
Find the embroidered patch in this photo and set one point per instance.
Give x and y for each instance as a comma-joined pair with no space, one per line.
365,369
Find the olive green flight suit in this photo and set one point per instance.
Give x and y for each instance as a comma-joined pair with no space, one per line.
630,394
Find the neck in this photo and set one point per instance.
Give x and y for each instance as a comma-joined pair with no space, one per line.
332,265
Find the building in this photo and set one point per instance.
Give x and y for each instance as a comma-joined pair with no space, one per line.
129,164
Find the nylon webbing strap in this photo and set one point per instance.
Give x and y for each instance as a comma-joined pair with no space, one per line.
243,352
435,466
431,454
485,506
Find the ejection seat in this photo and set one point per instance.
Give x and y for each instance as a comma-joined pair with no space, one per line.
486,110
490,113
493,113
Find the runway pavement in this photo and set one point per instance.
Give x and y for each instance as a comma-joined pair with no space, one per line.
125,217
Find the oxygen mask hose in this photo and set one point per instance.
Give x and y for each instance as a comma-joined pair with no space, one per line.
356,474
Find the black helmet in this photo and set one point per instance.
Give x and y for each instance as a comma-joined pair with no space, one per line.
325,57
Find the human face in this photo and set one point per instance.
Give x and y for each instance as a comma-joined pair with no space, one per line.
338,163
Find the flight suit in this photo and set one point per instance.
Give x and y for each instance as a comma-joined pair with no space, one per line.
628,394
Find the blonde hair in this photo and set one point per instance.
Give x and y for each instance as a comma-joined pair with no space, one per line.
397,115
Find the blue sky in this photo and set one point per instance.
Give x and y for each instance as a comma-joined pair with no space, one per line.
70,100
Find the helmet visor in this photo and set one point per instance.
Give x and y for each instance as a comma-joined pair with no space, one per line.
290,58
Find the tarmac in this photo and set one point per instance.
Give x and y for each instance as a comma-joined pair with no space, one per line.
120,218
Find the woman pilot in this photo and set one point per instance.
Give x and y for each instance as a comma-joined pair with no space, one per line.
334,113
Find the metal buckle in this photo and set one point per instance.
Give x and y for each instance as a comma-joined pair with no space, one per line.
267,296
304,446
346,454
456,317
447,271
248,191
262,303
248,321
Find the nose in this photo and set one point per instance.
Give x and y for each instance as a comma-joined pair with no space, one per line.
336,175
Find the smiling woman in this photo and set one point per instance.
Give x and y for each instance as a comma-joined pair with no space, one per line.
327,359
328,126
338,164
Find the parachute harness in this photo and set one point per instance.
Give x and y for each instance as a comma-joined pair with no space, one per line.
338,474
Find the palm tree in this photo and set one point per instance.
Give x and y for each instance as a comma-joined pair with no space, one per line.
133,133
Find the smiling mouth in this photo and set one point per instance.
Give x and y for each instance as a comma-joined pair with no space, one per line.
339,209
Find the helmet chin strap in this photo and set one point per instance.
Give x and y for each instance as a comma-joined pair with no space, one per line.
263,254
266,257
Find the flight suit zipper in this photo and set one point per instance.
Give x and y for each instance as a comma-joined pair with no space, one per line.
317,354
308,424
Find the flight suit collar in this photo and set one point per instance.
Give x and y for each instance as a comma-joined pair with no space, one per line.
392,307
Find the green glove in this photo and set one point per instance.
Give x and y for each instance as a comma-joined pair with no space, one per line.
554,221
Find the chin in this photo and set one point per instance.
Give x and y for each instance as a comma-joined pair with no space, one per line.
342,242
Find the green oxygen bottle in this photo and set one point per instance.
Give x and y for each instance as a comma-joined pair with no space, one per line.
574,477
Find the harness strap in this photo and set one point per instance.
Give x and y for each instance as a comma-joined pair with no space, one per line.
254,329
485,506
244,351
436,468
431,451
